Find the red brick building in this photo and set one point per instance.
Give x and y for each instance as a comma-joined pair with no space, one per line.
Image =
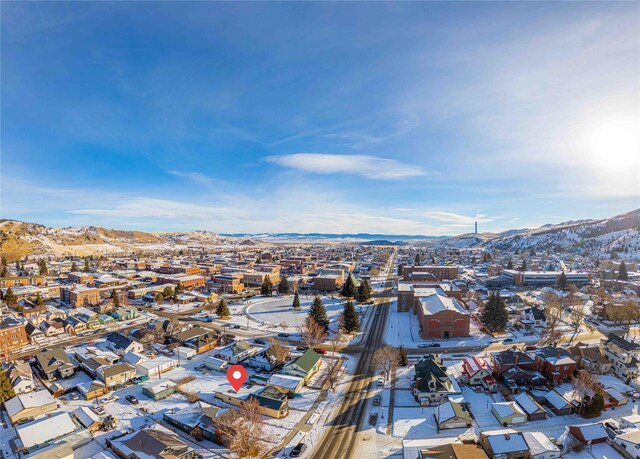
81,295
442,317
12,334
439,272
555,364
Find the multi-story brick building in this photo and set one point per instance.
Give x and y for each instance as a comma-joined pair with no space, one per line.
228,283
81,278
13,281
409,293
442,317
555,364
12,334
187,281
439,272
82,295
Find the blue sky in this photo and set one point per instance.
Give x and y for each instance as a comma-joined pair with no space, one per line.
397,118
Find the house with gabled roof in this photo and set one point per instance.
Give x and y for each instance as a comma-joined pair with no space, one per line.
54,363
199,414
304,366
432,382
452,415
624,355
532,408
119,373
121,344
31,405
555,364
237,352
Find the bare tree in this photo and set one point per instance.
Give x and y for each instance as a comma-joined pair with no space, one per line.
578,313
284,326
278,351
585,386
243,431
552,312
386,360
333,372
336,338
312,332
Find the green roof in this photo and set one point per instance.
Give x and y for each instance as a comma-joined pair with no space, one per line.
307,360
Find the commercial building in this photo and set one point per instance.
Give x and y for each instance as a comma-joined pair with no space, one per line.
12,334
439,272
442,317
533,278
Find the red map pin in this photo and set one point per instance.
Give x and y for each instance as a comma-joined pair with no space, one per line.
236,375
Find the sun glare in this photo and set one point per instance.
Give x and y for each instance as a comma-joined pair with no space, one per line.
615,145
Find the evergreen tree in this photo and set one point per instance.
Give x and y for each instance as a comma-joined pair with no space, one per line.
400,268
179,290
39,303
167,293
10,297
510,265
350,318
74,267
267,287
318,312
87,268
3,271
349,288
485,257
404,358
416,261
283,285
44,271
364,291
115,298
6,390
3,261
433,260
524,265
296,302
494,315
562,281
622,271
222,310
159,298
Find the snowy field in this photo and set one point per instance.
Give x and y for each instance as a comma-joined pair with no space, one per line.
278,310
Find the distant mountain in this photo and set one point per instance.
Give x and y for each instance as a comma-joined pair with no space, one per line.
18,239
383,242
333,237
619,234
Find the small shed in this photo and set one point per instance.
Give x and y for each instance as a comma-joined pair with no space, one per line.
159,390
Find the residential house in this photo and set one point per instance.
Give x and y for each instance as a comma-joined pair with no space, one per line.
622,354
476,371
198,338
504,444
432,382
534,411
452,415
201,415
125,313
541,446
628,443
13,334
53,327
589,358
159,390
304,366
150,367
237,352
502,361
121,344
119,373
508,413
558,404
44,432
151,444
452,451
31,405
271,401
74,326
535,316
54,363
214,363
589,434
287,384
555,364
21,377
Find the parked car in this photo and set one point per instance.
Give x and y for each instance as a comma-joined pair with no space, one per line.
284,335
99,410
298,450
236,326
380,382
423,346
377,400
139,379
113,398
74,396
434,345
319,350
507,340
301,348
131,399
261,341
530,348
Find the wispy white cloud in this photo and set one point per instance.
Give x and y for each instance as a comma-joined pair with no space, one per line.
197,177
371,167
457,219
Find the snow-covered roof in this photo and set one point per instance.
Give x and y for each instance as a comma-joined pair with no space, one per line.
85,416
539,443
44,430
506,441
556,400
592,431
25,401
290,382
506,409
436,303
527,403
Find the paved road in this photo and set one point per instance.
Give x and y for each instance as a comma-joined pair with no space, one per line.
340,438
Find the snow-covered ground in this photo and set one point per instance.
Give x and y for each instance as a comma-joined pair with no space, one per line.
278,310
